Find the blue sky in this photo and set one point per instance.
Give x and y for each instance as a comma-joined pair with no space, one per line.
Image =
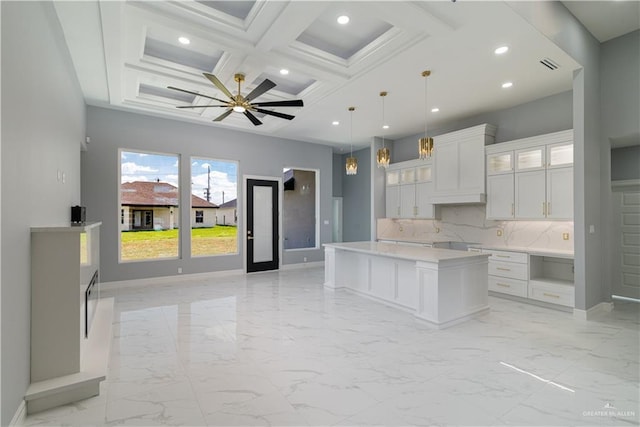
149,167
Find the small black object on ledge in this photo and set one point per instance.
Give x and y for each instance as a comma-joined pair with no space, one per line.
78,215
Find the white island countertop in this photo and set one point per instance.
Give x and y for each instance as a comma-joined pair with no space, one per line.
411,253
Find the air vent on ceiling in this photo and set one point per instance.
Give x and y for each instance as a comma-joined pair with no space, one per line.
549,63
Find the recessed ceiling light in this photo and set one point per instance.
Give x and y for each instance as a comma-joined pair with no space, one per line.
435,110
335,123
506,85
284,71
501,50
343,19
184,40
385,127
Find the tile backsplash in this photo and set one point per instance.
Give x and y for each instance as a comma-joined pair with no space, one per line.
468,223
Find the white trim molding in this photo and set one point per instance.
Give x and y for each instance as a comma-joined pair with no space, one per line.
302,265
20,416
603,307
124,284
625,185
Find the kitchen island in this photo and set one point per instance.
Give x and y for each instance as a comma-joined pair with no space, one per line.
441,286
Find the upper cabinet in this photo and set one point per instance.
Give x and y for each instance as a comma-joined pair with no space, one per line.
539,182
409,189
459,165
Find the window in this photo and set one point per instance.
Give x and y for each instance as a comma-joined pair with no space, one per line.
149,206
214,192
299,206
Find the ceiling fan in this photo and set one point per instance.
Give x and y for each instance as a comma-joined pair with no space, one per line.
242,104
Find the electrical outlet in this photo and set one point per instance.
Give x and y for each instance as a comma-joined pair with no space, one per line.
304,259
565,236
499,232
437,229
179,270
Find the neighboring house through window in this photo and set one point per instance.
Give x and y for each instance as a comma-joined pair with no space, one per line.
199,217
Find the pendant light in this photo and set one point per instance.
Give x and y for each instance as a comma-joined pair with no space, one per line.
383,155
425,145
352,162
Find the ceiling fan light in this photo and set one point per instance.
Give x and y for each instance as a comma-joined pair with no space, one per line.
352,165
184,40
383,157
343,19
239,109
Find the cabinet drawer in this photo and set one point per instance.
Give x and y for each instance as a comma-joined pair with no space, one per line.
553,293
520,257
508,286
508,269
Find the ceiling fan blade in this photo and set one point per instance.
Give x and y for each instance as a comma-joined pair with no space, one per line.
201,106
223,115
218,84
253,118
260,89
274,113
292,103
195,93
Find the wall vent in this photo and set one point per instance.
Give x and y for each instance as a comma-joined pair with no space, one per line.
549,63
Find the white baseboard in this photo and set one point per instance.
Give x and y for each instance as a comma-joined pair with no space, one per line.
20,415
603,307
123,284
302,265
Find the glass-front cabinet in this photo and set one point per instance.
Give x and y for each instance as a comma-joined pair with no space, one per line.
530,159
499,163
559,155
531,178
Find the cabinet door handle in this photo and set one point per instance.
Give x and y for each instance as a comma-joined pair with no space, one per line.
512,209
504,285
548,208
543,209
550,295
503,269
503,256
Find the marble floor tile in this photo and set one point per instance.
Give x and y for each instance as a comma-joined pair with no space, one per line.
277,349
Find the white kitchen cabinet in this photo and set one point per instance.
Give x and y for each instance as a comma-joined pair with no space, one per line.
542,176
408,191
508,272
560,193
500,196
459,165
530,195
500,163
393,201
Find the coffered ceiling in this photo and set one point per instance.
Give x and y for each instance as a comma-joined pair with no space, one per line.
126,53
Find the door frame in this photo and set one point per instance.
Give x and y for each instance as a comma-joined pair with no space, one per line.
244,217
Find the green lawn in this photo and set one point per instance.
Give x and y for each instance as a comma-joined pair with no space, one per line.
217,240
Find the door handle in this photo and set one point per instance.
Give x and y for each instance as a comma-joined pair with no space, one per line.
249,237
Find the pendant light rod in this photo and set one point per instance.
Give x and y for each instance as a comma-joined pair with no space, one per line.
352,163
383,155
425,145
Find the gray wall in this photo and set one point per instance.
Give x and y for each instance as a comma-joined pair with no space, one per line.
43,125
620,88
299,212
356,193
546,115
591,157
625,163
257,155
338,173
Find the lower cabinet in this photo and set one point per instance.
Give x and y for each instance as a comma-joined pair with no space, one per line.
542,278
508,272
